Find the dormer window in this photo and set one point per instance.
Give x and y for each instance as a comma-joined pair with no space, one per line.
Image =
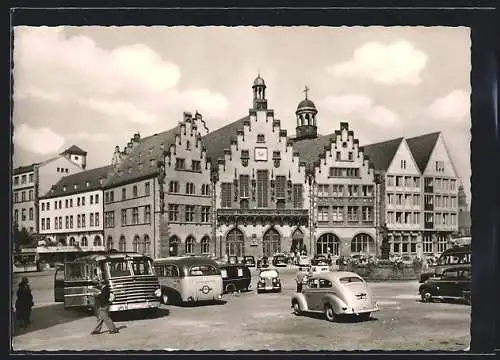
64,188
101,181
87,184
245,154
76,157
75,186
261,138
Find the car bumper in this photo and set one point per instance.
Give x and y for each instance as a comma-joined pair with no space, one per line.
359,311
268,288
134,306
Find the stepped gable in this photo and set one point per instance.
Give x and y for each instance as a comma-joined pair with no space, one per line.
421,147
77,183
310,149
217,141
381,154
142,162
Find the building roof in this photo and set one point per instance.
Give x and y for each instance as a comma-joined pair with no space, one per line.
142,161
421,147
217,141
310,149
77,183
259,81
306,104
381,154
75,150
23,169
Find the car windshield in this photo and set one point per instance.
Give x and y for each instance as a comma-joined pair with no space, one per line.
350,279
203,270
269,273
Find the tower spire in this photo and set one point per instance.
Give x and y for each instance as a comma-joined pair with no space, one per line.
306,90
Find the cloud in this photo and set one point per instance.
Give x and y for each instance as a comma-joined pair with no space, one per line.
96,137
119,110
392,64
41,141
455,105
361,106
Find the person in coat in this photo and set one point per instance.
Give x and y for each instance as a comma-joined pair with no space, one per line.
103,298
24,303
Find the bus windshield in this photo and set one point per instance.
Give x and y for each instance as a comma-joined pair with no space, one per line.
119,268
142,267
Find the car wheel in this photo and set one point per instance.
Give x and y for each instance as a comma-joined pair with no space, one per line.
426,296
296,308
230,288
329,313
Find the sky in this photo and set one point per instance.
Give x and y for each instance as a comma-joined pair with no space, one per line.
96,86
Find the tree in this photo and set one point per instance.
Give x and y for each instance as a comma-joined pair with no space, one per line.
385,248
22,238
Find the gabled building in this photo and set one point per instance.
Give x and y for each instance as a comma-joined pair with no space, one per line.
30,182
399,189
261,192
343,195
440,191
464,219
71,212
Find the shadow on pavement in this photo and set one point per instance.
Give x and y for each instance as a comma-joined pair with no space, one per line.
344,319
44,317
199,304
140,314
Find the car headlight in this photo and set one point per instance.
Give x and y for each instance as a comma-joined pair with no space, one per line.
158,292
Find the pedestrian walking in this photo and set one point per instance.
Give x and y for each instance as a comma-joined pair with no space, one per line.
103,298
24,303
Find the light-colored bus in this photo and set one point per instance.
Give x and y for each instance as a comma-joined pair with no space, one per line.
189,279
25,261
131,278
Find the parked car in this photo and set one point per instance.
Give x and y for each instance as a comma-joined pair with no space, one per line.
453,283
263,262
304,260
232,260
235,277
335,293
426,276
318,269
269,280
248,260
319,260
279,260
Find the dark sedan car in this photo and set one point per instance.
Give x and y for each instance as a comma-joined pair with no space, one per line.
248,261
319,260
454,283
279,260
263,262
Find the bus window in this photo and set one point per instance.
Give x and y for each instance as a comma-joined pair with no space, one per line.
119,268
171,271
75,271
202,270
141,267
160,270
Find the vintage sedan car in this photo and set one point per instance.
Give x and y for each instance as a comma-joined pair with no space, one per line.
319,260
248,260
318,269
263,262
335,294
235,278
304,260
269,280
233,260
453,283
279,260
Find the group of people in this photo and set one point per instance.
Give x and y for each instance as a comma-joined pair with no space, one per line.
102,296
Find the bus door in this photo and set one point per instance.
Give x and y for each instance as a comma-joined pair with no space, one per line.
77,285
59,285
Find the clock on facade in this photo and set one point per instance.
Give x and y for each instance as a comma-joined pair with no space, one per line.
260,154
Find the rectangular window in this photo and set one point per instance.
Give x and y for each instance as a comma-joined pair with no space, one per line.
96,198
352,213
23,179
173,187
23,196
427,244
298,199
147,189
180,164
31,176
205,214
16,180
350,156
337,156
111,196
338,190
323,190
96,218
367,190
147,214
280,187
30,195
43,206
338,213
71,222
390,180
226,195
262,181
195,165
173,212
124,217
47,223
244,186
124,194
83,221
367,213
189,213
30,214
16,197
323,213
135,215
403,164
91,220
66,222
399,181
91,199
134,191
106,197
43,223
335,172
408,181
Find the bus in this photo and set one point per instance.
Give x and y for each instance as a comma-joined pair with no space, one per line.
457,256
189,279
25,261
130,276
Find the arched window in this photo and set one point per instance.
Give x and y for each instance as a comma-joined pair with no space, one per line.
72,241
271,242
327,243
189,245
205,245
235,243
147,245
297,240
136,244
109,243
122,244
85,242
362,243
173,244
97,241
